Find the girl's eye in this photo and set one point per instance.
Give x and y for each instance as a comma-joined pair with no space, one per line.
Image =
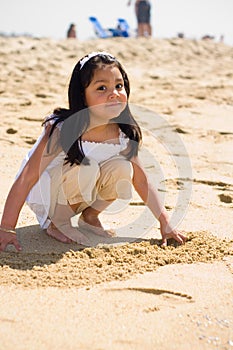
119,86
102,88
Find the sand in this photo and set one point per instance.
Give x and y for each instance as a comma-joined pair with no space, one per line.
127,292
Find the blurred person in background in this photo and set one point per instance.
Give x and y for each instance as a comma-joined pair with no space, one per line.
142,11
71,33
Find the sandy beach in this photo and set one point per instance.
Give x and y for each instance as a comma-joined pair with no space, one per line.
127,293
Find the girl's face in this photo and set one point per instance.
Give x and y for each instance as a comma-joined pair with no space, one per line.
105,96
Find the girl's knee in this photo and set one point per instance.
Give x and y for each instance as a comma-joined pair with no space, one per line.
122,169
116,179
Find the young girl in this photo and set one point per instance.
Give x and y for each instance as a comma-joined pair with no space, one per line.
86,158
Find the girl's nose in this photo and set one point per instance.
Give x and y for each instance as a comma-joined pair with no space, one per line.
113,93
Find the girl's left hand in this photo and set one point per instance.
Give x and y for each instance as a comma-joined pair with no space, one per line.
167,232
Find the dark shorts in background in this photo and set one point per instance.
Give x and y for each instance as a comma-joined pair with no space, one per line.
143,12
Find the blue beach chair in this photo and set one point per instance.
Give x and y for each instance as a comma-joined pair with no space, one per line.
106,33
99,30
124,27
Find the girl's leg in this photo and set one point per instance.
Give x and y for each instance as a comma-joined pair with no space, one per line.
61,229
75,187
89,219
114,182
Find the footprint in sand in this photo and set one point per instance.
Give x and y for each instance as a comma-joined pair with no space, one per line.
161,296
11,131
155,291
29,140
225,198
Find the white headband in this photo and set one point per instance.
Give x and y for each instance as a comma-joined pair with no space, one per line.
93,54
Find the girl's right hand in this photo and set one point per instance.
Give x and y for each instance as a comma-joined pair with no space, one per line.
8,238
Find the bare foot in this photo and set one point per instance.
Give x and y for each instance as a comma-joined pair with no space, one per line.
53,232
77,236
93,225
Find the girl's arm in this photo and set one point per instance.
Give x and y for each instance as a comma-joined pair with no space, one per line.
20,190
150,197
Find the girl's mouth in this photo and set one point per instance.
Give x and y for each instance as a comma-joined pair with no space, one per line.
113,104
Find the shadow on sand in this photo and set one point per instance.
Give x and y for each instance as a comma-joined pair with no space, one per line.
38,249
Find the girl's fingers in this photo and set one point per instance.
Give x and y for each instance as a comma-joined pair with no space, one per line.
17,246
4,244
179,237
164,242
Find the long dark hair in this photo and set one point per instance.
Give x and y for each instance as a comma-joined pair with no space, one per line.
76,118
